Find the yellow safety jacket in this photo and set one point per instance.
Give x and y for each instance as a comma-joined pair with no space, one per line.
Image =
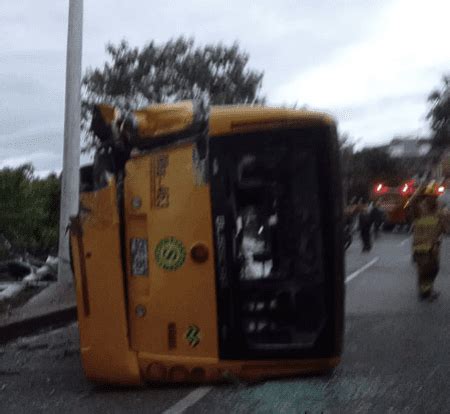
427,233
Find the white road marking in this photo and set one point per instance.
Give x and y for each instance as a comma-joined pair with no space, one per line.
362,269
404,241
188,401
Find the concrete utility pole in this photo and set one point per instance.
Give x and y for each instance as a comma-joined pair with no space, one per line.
71,157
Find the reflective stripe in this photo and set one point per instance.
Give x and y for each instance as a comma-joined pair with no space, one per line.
426,233
430,221
423,248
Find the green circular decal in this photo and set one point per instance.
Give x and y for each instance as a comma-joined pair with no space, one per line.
170,253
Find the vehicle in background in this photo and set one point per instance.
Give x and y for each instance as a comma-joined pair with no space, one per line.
392,201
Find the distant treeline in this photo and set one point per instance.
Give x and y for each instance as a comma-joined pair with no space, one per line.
29,212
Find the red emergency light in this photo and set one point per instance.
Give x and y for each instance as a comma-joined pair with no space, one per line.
407,188
380,189
441,189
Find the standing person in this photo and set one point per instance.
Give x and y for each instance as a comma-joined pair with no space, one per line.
348,226
364,226
428,228
376,218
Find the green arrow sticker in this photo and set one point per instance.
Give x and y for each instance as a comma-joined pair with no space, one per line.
170,253
193,335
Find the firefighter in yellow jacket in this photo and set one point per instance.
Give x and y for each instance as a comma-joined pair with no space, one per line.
428,229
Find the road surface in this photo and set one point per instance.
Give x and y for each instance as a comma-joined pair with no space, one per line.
396,358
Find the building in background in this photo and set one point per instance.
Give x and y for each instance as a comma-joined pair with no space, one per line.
409,148
413,153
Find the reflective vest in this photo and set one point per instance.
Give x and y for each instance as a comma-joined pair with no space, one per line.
427,231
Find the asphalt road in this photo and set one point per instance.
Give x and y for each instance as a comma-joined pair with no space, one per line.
396,358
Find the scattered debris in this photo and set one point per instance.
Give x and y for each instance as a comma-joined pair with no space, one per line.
23,277
14,270
15,294
47,272
28,269
9,291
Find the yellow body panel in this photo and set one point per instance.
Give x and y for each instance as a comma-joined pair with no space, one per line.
184,296
102,318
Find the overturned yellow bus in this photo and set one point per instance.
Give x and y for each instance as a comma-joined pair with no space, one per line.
208,244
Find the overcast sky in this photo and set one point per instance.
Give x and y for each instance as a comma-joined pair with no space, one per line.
369,63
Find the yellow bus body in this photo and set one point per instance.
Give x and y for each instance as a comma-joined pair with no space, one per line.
136,328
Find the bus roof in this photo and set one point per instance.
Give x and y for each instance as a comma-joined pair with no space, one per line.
240,118
157,120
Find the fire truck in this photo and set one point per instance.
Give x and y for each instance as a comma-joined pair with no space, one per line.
393,200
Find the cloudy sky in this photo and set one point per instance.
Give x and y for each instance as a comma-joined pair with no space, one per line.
370,63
